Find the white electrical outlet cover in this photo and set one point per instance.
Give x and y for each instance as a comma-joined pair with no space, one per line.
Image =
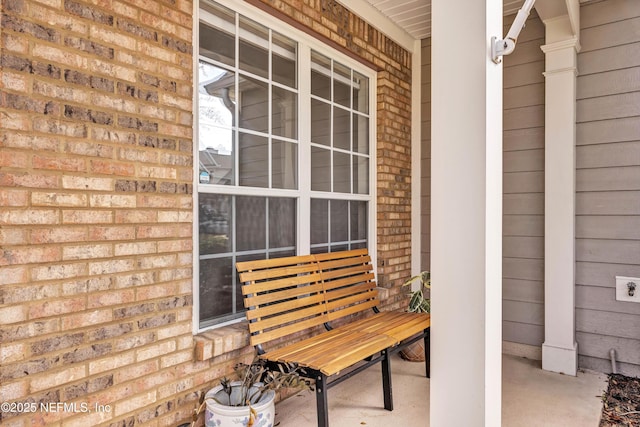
622,289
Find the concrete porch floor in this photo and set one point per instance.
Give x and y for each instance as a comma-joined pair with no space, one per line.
531,397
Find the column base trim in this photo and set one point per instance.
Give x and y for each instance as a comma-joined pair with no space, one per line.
560,359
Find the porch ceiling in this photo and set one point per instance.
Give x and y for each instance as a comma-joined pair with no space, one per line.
414,16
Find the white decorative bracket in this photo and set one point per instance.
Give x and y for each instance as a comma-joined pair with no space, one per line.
501,47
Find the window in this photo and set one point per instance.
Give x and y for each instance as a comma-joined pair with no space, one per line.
284,151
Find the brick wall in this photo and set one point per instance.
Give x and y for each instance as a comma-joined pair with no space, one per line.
96,203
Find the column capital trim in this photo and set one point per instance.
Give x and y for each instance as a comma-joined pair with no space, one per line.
572,42
561,70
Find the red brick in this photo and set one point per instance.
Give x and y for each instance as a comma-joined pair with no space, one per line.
112,233
86,217
112,168
13,160
59,235
59,271
13,198
58,199
29,255
108,299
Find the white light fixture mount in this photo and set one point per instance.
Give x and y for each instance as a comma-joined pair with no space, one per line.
501,47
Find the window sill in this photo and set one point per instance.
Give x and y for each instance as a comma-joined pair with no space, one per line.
222,340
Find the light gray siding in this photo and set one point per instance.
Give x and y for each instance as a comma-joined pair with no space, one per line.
425,157
608,183
523,186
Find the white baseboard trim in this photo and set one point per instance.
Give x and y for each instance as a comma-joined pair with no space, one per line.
528,351
560,359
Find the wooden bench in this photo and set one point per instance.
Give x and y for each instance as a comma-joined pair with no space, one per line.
332,292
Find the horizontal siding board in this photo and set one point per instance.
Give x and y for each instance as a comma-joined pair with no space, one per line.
608,107
607,12
523,204
523,225
523,312
523,96
604,299
523,161
608,131
523,247
604,365
522,333
523,290
524,118
608,251
614,58
612,34
525,53
523,182
610,83
608,179
606,323
603,274
594,345
608,227
608,203
524,74
608,155
522,268
523,139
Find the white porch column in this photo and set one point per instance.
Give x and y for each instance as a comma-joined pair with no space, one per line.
466,221
560,350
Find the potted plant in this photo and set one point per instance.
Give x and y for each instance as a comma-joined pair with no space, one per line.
250,400
418,303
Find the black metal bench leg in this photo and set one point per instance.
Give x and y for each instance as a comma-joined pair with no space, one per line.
321,400
386,381
427,352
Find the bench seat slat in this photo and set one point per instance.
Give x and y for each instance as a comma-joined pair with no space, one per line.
398,325
333,352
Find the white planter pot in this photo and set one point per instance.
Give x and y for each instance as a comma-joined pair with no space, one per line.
220,415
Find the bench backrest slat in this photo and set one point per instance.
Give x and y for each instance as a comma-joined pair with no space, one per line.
288,295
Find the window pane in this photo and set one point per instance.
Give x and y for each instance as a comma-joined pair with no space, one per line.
360,93
284,119
319,221
251,220
254,161
282,222
341,129
215,223
359,225
320,169
339,220
254,104
320,122
284,60
360,134
341,172
341,84
254,47
284,165
218,42
216,99
360,175
320,76
216,288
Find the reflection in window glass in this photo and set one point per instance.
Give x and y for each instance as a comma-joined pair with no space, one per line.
216,287
218,42
341,128
360,134
284,57
320,122
215,223
254,47
360,174
254,160
320,169
338,225
284,118
320,76
360,93
254,104
341,172
284,165
251,217
282,229
341,84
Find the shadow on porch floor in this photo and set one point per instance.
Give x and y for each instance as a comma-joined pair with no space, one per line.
530,398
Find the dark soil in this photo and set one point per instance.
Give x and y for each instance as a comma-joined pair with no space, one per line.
621,402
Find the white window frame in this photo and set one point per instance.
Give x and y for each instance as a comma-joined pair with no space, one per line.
304,194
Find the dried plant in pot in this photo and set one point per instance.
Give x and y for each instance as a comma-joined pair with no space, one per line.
250,400
418,303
